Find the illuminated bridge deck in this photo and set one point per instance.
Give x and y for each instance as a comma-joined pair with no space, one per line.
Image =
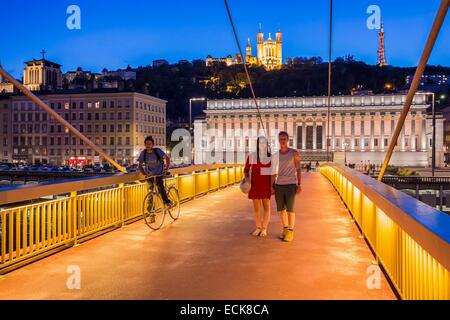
209,254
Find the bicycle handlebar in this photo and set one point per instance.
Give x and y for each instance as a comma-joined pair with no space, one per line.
166,174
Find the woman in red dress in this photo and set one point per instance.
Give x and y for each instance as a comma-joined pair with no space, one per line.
257,169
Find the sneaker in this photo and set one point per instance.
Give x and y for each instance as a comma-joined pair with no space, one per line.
289,236
285,231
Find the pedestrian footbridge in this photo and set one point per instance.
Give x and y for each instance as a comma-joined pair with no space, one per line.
348,226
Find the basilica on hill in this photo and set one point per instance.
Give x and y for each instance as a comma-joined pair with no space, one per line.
269,53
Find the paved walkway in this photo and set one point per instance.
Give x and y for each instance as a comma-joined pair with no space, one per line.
209,254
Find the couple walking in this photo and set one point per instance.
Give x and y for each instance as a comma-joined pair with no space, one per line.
278,175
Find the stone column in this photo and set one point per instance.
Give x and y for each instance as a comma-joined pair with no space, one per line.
304,135
342,146
382,146
315,136
294,128
363,147
413,134
372,133
295,135
424,134
352,142
402,139
324,136
333,133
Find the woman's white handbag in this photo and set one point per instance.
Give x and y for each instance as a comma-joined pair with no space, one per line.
246,185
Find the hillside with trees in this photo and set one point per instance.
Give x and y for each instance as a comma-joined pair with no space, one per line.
299,77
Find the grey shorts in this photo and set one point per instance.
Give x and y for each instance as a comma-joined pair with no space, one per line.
285,197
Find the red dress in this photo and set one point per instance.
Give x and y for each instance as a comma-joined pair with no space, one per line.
260,182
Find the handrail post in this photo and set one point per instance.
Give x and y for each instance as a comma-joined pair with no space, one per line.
74,217
123,203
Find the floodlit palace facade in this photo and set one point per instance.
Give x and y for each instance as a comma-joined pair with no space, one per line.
361,128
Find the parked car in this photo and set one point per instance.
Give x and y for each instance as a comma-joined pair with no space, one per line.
7,165
88,170
98,169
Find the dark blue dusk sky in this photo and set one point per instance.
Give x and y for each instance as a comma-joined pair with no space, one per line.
135,32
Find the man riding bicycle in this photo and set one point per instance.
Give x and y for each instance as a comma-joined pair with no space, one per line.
153,162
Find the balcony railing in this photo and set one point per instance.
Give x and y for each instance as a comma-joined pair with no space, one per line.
410,239
32,227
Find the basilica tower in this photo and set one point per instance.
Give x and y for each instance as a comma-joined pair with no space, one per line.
279,39
248,51
260,43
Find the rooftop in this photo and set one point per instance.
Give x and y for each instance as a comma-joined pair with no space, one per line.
45,61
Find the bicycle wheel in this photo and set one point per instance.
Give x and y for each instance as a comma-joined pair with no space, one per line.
174,209
154,211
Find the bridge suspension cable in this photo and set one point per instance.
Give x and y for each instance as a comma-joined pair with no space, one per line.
330,53
247,73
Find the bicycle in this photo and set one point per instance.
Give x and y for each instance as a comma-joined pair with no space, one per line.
154,208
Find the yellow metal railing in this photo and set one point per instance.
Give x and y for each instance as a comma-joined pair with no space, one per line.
409,238
32,231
